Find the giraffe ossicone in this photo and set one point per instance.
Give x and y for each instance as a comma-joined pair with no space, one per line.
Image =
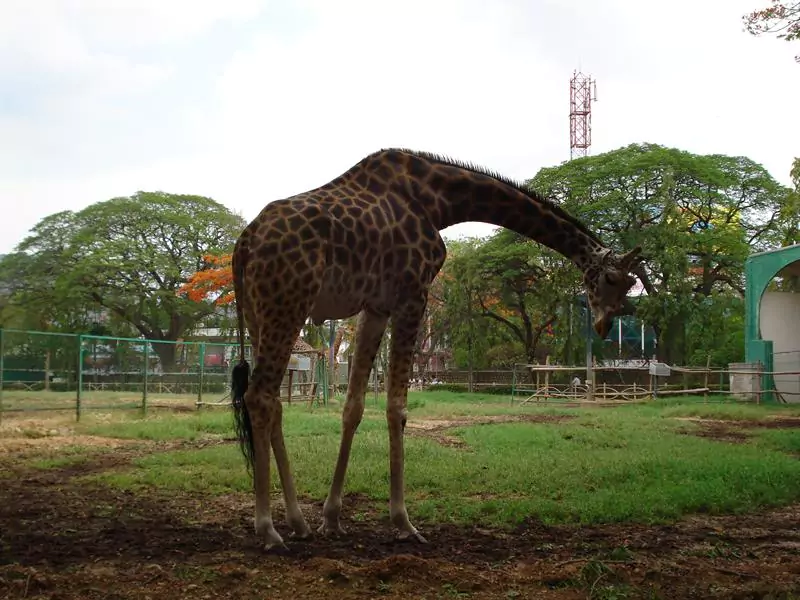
367,243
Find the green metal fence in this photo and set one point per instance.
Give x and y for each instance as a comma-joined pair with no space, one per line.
66,371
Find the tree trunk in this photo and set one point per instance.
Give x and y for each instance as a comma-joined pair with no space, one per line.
470,364
672,342
47,371
166,353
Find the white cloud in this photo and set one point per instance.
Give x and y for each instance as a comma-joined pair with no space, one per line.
146,22
249,101
354,84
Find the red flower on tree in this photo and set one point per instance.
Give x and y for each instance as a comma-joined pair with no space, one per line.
214,280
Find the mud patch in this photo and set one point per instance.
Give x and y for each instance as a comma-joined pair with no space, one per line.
768,423
718,432
61,540
56,442
436,428
734,431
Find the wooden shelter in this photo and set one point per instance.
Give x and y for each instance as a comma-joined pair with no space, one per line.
309,360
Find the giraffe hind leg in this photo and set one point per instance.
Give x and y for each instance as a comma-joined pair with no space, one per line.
262,418
294,515
261,403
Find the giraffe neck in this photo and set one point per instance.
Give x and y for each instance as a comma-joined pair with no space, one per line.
451,194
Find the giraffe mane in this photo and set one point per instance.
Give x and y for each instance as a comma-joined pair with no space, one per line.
517,185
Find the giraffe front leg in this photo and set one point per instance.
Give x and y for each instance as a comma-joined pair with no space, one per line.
404,334
368,340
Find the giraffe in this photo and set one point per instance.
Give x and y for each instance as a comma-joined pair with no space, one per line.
367,243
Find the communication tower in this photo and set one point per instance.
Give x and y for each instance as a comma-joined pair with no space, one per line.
582,90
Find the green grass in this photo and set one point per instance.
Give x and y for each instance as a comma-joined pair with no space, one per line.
605,465
587,473
784,440
695,407
160,426
215,423
443,404
57,462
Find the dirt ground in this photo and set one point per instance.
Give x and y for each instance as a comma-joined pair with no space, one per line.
62,540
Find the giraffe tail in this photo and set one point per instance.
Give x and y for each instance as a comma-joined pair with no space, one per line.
240,375
241,417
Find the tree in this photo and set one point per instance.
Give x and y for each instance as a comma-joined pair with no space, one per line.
789,229
215,281
129,257
515,283
434,327
790,222
780,18
697,218
35,301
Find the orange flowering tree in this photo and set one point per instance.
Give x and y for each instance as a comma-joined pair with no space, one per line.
780,18
215,281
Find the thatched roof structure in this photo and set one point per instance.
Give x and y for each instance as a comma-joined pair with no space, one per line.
303,347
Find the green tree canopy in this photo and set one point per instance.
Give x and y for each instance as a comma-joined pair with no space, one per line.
515,283
696,217
126,256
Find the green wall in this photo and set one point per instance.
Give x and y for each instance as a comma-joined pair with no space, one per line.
759,270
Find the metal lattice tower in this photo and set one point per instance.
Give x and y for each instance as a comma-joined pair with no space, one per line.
582,90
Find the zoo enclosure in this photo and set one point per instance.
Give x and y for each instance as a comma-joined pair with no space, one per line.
56,371
633,380
62,371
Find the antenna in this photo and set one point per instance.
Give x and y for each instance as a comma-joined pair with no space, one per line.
582,90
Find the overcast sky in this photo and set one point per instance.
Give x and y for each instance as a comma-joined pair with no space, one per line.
248,101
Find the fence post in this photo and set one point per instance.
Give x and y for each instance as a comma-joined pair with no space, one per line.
546,378
332,358
202,373
144,378
2,366
760,382
80,379
375,381
513,382
324,382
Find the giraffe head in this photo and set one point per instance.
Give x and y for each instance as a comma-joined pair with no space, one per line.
607,283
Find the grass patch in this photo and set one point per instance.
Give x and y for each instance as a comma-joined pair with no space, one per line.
215,470
432,404
606,465
217,423
573,473
58,462
695,407
784,440
161,426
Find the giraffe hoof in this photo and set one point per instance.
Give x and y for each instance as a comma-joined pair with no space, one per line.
411,536
278,548
328,530
270,538
301,535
